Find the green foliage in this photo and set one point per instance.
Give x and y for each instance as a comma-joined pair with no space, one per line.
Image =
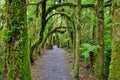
108,43
86,49
2,48
2,69
108,30
87,1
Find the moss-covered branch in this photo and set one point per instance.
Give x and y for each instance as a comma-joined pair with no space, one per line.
62,14
56,30
43,24
67,4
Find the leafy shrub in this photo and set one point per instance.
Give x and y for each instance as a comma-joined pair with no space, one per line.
86,49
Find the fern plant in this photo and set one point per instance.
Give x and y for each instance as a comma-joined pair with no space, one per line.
86,49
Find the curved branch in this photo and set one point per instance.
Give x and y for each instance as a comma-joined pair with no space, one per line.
40,40
68,4
62,14
37,6
59,5
56,30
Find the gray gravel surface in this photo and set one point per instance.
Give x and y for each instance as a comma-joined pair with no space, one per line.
54,66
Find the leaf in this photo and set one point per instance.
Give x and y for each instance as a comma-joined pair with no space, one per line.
86,54
89,47
87,1
86,48
2,69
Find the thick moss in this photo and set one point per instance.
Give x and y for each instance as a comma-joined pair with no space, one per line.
115,63
17,47
115,57
99,40
77,42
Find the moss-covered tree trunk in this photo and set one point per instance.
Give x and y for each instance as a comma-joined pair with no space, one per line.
50,45
42,30
98,68
17,44
77,50
114,73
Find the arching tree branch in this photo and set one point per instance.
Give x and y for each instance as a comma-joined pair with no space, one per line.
59,5
62,14
56,30
68,4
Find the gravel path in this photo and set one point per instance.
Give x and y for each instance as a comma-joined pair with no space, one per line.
54,66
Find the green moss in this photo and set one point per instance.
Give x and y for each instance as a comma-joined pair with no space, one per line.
18,57
99,40
115,57
115,62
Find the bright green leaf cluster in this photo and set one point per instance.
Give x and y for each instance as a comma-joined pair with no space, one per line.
2,69
86,49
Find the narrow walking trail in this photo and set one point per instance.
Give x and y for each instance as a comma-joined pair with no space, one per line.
53,66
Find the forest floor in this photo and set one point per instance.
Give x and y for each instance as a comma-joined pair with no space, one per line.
85,71
57,64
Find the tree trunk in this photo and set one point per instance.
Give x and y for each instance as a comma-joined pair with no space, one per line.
98,67
77,50
50,42
17,44
114,73
42,29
